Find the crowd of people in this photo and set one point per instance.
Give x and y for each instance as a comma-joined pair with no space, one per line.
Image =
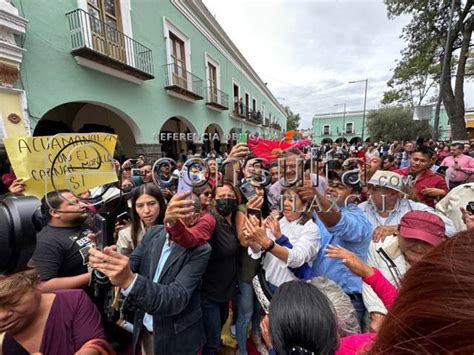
330,249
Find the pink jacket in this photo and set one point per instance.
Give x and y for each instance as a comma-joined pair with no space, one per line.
359,343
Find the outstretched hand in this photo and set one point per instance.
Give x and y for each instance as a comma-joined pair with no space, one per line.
352,261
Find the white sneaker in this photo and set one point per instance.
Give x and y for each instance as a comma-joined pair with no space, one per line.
257,340
232,331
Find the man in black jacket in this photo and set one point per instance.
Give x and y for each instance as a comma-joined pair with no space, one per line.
161,279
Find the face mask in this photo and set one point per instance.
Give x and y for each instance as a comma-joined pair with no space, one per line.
226,206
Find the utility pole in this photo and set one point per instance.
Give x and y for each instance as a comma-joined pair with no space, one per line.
365,103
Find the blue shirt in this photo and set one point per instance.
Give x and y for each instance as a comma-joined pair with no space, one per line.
165,253
353,232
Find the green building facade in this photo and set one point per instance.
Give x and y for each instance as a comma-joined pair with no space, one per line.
340,126
144,70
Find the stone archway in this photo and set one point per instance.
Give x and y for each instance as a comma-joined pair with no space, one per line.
178,138
326,140
355,140
213,139
88,117
233,136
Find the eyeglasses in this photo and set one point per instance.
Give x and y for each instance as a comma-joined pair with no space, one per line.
207,193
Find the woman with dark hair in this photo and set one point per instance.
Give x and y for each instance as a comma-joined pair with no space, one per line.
248,308
301,321
289,242
204,193
219,279
148,209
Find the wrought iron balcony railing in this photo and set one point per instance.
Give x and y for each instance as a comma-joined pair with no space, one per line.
217,98
183,82
94,39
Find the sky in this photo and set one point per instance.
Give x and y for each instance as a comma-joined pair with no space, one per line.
308,50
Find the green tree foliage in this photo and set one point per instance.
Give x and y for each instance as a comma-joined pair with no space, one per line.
412,80
293,120
396,123
426,36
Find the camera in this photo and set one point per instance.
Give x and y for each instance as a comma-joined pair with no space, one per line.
20,219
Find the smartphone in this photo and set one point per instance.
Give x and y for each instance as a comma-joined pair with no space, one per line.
255,212
242,138
184,182
138,172
248,190
98,226
123,217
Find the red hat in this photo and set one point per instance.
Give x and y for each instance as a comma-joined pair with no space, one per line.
422,225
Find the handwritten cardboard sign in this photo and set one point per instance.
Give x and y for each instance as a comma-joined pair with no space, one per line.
77,162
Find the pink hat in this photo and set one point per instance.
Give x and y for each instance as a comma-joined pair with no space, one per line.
422,225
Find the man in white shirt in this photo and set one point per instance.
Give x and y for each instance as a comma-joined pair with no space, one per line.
385,209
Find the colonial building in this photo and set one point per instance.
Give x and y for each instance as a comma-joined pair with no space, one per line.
13,116
142,70
340,126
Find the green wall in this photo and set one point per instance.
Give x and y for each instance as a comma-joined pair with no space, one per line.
51,76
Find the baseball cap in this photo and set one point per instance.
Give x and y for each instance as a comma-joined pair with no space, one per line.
422,225
388,179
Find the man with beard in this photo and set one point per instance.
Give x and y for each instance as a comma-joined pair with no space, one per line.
62,248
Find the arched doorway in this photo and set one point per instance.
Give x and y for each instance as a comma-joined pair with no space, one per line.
326,140
233,136
212,138
341,140
355,140
88,117
177,137
367,140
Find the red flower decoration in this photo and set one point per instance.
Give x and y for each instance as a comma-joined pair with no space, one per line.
269,150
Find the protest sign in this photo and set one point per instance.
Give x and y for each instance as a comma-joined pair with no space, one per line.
77,162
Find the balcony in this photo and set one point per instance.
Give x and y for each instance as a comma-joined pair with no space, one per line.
255,117
182,84
102,47
240,110
276,126
217,99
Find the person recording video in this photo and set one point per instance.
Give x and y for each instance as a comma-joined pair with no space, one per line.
62,248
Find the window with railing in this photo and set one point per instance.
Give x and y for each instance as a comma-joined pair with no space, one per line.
326,129
177,77
96,35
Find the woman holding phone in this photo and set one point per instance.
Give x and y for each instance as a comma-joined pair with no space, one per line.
248,308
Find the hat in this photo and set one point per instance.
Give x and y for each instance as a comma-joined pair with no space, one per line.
388,179
422,225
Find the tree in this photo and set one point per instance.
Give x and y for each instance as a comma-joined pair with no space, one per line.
426,36
412,80
293,120
396,123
